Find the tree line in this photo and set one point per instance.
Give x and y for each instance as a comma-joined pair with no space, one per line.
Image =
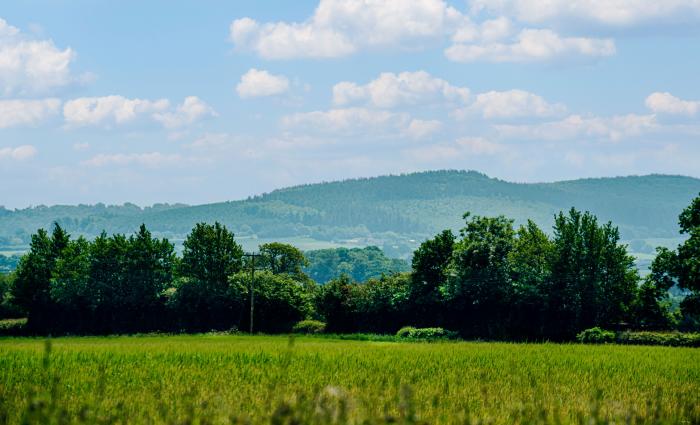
493,280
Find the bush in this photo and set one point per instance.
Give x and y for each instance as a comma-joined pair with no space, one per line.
671,339
596,336
405,332
425,333
309,327
12,327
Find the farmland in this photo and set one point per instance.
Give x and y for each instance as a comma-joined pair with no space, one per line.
261,379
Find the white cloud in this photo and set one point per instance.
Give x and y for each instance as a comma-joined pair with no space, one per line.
612,13
109,110
666,103
341,27
26,112
150,159
348,121
19,153
512,104
420,129
31,66
190,111
81,146
407,88
257,83
461,148
574,127
531,45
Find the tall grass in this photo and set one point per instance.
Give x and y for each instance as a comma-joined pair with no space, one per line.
242,379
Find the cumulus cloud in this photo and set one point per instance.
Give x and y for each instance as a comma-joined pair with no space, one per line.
149,159
18,153
31,66
347,121
190,111
613,128
341,27
666,103
27,112
460,148
531,45
109,110
259,83
511,104
420,129
611,13
407,88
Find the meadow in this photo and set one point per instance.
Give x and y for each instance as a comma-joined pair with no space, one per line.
265,379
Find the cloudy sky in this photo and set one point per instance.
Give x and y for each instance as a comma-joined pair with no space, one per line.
209,100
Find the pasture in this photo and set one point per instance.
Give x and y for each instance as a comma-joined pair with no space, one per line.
272,379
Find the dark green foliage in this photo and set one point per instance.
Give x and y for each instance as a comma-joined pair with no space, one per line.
359,264
8,309
281,258
595,336
430,267
593,278
280,300
202,299
309,327
682,266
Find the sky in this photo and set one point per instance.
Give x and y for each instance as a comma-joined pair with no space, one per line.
210,100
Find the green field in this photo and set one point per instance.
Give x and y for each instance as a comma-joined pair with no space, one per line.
220,379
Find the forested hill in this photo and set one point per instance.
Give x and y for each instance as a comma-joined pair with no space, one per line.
393,212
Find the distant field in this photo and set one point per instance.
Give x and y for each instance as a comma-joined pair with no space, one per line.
212,379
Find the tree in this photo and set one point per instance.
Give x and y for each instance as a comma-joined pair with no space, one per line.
334,302
282,258
210,255
8,309
70,289
530,270
479,286
147,273
430,265
33,278
593,280
682,266
280,300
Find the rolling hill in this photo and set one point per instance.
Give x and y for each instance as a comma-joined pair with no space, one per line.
393,212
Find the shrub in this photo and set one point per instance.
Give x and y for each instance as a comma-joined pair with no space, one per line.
12,327
309,327
405,332
671,339
596,336
425,333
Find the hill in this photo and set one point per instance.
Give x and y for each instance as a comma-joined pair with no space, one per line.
393,212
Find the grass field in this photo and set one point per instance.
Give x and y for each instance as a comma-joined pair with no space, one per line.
240,379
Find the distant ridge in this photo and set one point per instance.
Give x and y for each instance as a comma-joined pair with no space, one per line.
393,211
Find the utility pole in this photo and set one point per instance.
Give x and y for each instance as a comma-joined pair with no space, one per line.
252,257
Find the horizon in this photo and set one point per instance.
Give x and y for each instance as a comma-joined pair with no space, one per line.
350,179
198,103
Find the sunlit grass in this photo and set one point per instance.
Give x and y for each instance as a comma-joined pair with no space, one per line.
211,379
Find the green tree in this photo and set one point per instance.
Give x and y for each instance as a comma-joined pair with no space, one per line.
479,287
593,280
31,291
530,270
430,267
147,273
210,255
282,258
280,300
70,289
334,302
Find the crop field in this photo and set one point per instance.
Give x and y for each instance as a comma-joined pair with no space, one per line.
241,379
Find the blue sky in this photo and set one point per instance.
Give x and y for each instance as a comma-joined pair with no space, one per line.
202,101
